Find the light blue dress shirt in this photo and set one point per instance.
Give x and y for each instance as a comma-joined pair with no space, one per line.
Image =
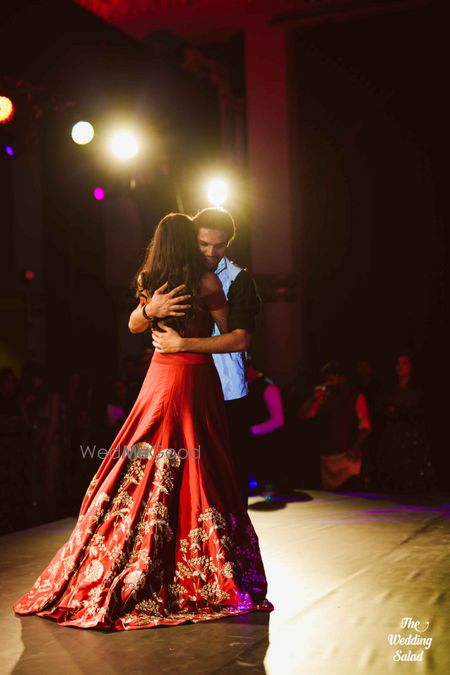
231,367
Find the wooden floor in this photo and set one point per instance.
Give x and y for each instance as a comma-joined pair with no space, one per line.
344,570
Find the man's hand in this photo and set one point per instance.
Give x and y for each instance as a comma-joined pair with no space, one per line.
168,341
166,304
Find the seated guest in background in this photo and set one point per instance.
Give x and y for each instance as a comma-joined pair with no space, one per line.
343,424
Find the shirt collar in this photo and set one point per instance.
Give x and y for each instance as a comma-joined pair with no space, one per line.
223,264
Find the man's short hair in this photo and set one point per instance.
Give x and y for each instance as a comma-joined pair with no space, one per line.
216,218
333,368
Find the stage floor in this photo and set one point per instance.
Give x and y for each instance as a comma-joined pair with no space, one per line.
344,571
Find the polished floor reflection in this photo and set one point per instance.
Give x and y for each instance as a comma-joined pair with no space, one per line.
360,584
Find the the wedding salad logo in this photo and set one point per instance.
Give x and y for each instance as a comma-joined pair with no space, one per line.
416,637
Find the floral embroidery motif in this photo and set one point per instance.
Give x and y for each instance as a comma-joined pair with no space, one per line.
214,593
158,577
134,579
214,516
227,570
93,572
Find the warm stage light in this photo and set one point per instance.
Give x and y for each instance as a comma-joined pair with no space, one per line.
217,192
82,133
124,144
6,109
99,193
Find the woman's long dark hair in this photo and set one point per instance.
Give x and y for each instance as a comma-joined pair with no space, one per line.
172,255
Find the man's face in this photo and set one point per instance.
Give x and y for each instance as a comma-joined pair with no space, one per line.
213,245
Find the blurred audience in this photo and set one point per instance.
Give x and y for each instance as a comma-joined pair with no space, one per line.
268,462
404,460
341,437
80,404
343,424
45,417
368,384
11,409
301,437
15,444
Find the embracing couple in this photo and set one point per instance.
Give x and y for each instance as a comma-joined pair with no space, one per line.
161,540
214,229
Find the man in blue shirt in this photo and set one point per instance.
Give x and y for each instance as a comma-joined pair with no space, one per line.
216,229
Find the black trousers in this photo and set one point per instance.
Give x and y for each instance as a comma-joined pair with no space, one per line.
238,423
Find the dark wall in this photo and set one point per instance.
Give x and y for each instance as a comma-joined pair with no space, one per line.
6,217
370,125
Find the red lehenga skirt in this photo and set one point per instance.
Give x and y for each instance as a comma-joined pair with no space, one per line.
162,536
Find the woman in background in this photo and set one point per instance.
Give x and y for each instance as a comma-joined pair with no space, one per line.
404,462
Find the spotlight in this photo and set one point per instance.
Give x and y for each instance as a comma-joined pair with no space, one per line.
217,192
82,133
99,193
124,144
9,151
6,109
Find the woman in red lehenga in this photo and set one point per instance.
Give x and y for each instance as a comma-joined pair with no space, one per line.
162,535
